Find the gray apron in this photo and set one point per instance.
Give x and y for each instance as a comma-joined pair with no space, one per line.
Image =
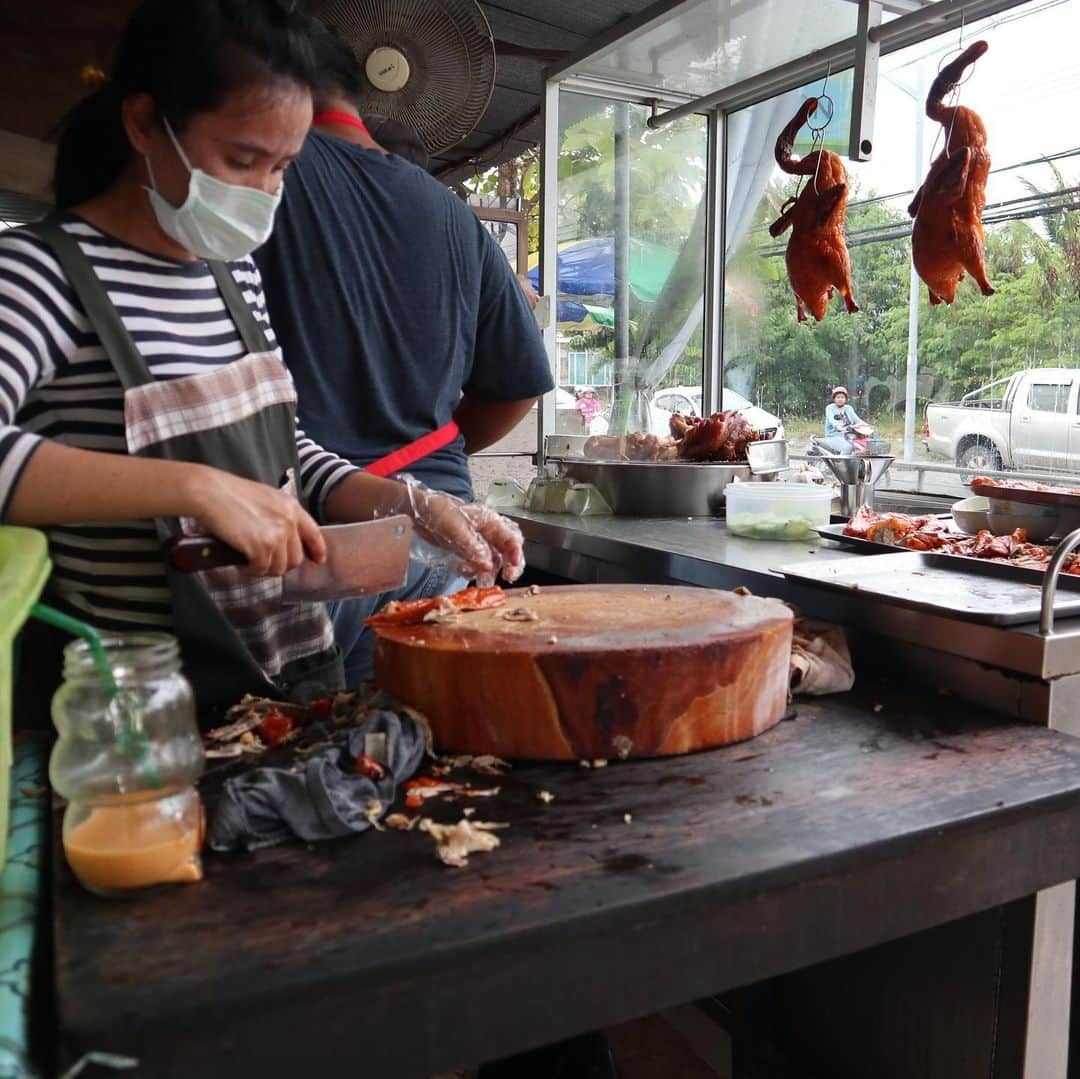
260,446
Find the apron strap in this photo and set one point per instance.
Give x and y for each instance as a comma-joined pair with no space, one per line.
117,342
402,458
252,333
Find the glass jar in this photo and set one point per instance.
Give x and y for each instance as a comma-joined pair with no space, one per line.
127,762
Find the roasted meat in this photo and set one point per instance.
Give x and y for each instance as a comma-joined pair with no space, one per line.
932,534
417,611
947,237
817,257
724,436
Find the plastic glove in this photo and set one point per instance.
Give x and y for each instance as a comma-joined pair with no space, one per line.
486,543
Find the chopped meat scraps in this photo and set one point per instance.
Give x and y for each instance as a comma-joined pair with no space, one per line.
416,611
455,842
419,790
401,822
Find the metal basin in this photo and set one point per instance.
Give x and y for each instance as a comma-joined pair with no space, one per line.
659,488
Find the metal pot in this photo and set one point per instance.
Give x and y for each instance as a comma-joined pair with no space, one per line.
659,488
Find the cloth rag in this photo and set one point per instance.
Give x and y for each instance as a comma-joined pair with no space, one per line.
820,659
321,795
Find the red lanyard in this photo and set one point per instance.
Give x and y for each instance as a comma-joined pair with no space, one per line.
345,118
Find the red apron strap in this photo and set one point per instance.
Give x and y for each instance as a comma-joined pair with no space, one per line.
414,451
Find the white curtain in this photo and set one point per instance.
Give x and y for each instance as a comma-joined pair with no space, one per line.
751,138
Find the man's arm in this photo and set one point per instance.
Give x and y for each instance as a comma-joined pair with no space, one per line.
483,423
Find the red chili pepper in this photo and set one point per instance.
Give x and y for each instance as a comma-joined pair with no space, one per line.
321,708
274,727
413,798
370,767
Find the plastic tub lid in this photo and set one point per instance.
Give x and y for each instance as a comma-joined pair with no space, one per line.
795,492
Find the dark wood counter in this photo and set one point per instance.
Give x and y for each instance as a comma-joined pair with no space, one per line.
841,829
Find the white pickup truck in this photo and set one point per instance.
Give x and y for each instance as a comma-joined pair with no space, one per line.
1028,421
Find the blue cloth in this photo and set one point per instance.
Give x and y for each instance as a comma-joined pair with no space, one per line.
321,796
390,299
357,642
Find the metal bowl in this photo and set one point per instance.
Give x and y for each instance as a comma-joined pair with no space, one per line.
659,488
970,514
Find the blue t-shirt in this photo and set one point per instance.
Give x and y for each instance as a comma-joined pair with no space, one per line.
390,299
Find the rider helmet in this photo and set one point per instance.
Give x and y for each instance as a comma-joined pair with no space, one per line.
839,389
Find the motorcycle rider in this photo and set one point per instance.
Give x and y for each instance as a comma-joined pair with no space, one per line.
840,421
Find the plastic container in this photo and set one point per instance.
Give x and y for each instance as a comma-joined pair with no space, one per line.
127,764
24,569
777,511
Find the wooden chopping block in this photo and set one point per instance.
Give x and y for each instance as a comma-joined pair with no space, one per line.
603,671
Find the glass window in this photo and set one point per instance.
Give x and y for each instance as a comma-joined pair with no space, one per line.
1049,396
631,261
707,46
907,362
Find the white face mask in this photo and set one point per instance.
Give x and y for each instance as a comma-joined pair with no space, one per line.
217,220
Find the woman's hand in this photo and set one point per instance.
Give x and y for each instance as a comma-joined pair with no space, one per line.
488,544
268,526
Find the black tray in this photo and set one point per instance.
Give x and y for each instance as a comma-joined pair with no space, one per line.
959,562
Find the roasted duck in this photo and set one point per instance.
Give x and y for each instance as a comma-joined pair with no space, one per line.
932,534
817,257
947,237
721,437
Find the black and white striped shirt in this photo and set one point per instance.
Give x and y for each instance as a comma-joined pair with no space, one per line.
57,383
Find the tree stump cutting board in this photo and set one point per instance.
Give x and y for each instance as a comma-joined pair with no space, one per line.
603,671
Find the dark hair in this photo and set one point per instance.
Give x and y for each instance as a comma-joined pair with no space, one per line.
339,70
397,138
188,57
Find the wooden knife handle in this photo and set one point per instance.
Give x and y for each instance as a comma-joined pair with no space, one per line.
191,553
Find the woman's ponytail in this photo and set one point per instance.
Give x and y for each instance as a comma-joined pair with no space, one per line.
93,148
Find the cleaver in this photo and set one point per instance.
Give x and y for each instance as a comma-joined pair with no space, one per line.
366,557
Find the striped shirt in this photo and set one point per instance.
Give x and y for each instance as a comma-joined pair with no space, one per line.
57,383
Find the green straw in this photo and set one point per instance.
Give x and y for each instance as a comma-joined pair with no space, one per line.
134,743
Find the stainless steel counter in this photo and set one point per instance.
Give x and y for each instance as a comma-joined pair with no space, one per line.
1013,669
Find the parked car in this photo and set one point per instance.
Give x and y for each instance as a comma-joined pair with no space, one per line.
687,400
1027,421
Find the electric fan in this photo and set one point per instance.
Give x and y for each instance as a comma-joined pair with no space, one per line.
429,64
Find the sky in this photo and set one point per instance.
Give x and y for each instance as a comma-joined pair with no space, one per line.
1026,88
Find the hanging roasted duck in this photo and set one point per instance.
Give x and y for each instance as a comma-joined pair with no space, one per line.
817,257
947,237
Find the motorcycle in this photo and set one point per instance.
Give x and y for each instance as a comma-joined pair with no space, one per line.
861,439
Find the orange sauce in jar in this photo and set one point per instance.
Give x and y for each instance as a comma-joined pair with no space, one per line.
127,845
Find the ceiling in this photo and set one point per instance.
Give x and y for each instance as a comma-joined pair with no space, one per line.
45,45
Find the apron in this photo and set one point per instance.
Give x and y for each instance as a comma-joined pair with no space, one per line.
235,637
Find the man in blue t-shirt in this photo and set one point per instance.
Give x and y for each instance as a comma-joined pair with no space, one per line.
398,316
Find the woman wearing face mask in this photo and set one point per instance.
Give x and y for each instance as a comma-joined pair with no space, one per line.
139,389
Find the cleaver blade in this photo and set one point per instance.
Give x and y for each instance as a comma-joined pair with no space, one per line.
362,558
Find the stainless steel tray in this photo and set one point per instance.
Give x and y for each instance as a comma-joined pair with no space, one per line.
957,562
658,488
932,584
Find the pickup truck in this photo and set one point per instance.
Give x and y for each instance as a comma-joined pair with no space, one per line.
1028,421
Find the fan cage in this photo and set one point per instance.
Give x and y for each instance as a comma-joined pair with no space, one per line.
450,50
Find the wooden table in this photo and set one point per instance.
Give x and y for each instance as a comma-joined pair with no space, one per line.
846,827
